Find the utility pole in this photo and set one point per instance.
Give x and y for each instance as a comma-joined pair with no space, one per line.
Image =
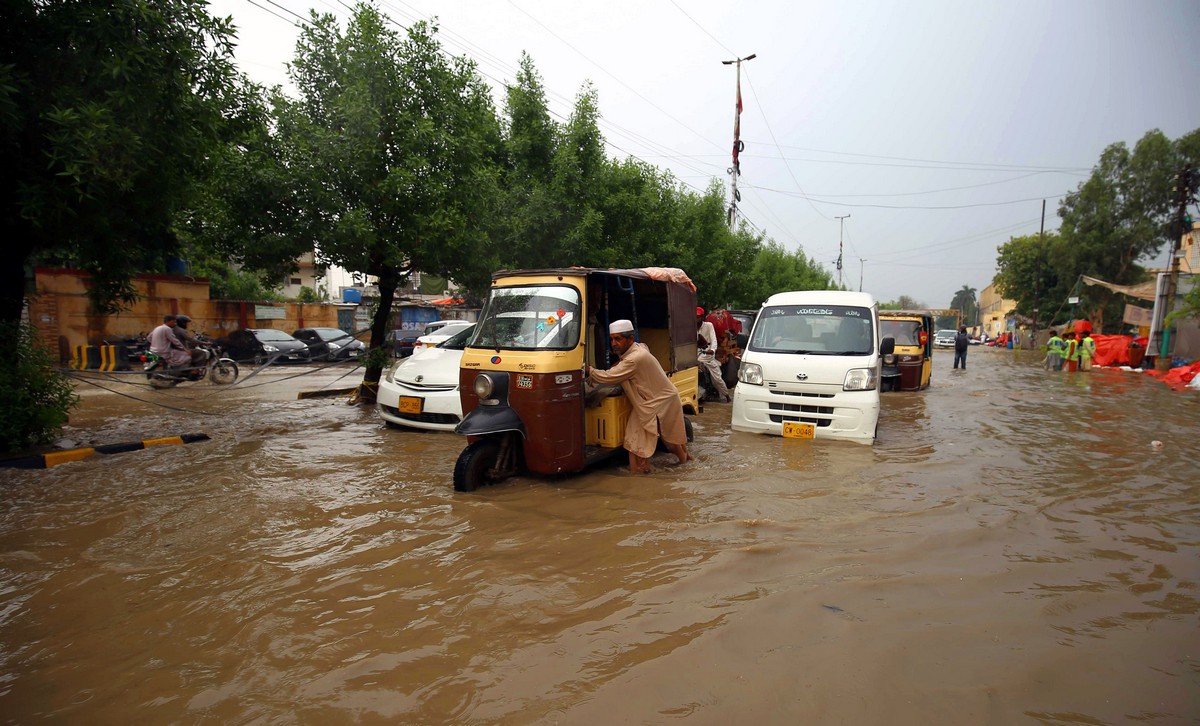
736,170
1037,272
860,272
841,227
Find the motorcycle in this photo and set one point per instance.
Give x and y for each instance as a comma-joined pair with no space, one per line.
217,368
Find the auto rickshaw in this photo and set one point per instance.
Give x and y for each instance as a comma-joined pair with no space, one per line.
521,380
910,366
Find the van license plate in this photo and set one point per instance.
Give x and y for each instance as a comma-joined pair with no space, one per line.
798,430
412,404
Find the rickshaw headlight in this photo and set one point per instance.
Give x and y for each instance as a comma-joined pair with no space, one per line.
750,373
484,386
860,379
889,359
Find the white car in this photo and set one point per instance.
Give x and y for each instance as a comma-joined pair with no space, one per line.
442,334
944,338
421,390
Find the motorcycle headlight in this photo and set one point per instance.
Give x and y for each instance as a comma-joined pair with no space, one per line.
484,386
860,379
750,373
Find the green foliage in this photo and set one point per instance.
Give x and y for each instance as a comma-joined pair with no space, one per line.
776,270
965,301
35,398
225,283
308,295
104,132
1189,309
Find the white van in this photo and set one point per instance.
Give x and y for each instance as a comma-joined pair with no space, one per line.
811,367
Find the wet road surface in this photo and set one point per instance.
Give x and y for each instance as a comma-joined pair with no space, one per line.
1013,549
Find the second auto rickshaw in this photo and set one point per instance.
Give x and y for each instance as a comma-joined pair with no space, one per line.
910,366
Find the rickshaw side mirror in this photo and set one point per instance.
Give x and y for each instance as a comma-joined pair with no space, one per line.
888,346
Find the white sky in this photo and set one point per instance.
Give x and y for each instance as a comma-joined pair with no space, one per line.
937,125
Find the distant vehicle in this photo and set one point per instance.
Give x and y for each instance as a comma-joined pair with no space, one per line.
330,343
421,391
264,344
442,333
944,338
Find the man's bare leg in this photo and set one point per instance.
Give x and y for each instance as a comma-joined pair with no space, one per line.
680,451
638,465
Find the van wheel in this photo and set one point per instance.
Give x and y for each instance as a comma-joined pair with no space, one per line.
476,465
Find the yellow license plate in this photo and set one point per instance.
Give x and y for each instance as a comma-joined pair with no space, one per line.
412,404
798,430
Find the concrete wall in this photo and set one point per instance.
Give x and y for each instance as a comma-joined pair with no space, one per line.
61,311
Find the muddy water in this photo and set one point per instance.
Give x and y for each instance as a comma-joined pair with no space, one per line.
1012,550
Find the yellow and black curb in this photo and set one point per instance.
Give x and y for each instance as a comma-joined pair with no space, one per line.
54,458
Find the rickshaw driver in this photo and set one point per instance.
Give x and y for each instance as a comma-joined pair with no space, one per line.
656,410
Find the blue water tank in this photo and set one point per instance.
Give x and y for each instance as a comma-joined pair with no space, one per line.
351,295
177,266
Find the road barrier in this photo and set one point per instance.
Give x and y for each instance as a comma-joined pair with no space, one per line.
54,458
99,357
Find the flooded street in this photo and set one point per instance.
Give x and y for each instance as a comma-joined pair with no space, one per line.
1013,549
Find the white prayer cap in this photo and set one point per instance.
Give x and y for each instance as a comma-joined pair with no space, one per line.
620,326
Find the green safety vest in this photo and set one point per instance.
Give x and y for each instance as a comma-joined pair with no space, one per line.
1087,349
1055,345
1072,350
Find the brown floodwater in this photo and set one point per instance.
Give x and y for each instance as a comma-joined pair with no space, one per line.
1013,549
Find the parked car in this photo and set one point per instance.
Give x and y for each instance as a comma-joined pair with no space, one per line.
262,344
421,390
442,333
330,343
402,341
944,338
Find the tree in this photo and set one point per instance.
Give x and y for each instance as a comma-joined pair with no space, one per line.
393,155
965,301
1029,273
109,113
777,270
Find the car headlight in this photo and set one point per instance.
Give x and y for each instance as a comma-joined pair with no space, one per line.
484,386
860,379
750,373
391,370
334,346
270,348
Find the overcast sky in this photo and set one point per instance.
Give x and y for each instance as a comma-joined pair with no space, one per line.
938,126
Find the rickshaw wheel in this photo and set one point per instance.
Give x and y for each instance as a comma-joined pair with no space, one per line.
474,465
687,426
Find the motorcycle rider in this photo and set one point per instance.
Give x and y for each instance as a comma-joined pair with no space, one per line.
189,340
166,345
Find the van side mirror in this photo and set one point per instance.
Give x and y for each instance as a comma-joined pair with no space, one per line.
888,346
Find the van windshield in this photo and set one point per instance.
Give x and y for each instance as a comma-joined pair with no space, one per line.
815,330
529,317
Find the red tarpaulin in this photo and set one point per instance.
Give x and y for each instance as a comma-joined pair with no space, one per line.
1177,377
1112,350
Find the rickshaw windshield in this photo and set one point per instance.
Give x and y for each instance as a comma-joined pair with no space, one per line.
815,330
904,332
529,317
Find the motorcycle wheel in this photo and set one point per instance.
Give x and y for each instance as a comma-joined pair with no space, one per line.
224,372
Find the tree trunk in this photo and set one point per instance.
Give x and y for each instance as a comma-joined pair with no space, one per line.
388,281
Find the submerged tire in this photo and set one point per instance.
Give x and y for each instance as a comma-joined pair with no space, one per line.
472,470
687,426
224,372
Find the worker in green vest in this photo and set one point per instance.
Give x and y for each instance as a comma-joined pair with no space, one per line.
1054,352
1087,351
1071,351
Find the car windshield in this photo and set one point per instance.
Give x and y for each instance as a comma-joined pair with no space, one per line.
267,335
946,334
459,340
814,329
904,332
529,317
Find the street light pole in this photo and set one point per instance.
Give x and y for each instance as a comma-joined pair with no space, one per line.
841,227
736,170
860,272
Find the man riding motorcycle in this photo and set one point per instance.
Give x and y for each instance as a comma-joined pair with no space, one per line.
189,340
166,344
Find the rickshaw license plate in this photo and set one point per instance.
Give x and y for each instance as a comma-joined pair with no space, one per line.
798,430
410,404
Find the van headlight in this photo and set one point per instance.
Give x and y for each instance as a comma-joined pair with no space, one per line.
860,379
750,373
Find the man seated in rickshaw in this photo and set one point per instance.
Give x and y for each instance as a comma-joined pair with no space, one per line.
654,400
